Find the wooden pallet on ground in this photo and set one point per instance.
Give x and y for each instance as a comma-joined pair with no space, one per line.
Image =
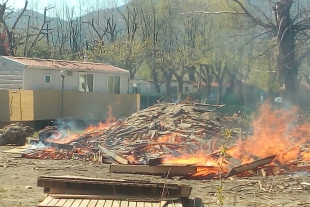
70,201
111,187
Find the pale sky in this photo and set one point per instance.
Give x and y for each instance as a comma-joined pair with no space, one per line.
86,5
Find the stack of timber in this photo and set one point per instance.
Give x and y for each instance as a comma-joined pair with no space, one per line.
87,192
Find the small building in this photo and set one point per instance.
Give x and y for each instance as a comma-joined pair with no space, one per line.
44,74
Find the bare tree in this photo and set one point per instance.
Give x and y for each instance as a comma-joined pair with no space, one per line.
290,26
38,35
10,32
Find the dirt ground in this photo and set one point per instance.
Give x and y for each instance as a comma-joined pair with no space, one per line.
19,176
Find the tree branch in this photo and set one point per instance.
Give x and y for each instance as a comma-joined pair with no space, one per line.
254,19
20,15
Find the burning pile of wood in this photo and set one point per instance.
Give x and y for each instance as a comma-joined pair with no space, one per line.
187,139
147,134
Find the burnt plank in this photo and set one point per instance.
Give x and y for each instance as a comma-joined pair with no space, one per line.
250,166
155,170
114,156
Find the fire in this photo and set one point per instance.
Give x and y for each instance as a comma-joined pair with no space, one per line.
199,158
66,136
275,133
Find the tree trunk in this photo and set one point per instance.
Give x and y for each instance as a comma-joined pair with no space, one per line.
219,91
168,78
180,83
287,64
207,78
155,79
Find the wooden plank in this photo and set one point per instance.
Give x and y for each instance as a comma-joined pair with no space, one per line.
19,150
61,202
68,202
162,203
84,203
124,204
155,170
148,204
46,201
110,188
111,197
116,203
100,203
108,203
177,203
53,202
92,203
250,166
114,156
76,203
132,204
140,204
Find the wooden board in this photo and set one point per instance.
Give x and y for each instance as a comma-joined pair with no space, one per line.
50,201
250,166
154,170
114,156
19,150
111,188
108,197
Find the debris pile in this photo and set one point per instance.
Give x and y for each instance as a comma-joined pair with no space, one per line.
164,129
15,134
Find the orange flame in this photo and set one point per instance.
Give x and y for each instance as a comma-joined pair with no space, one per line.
275,133
67,137
199,158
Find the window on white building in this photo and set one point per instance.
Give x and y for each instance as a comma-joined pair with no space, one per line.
86,82
47,79
114,84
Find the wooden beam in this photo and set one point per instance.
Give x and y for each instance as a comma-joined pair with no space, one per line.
114,156
154,170
250,166
109,197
